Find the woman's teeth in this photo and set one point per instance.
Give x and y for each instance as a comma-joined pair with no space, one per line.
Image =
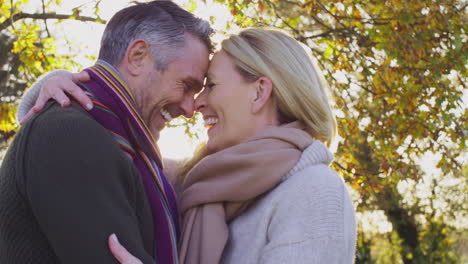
211,122
166,115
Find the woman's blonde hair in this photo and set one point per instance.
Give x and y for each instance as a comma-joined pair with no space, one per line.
299,88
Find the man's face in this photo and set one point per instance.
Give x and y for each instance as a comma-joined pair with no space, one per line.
171,93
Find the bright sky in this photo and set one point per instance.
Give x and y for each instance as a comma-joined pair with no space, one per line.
173,142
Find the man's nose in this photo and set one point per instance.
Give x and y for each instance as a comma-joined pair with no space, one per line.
187,107
200,102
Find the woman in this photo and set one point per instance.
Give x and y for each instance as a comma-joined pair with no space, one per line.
265,193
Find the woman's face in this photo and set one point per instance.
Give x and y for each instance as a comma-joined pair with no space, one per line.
225,104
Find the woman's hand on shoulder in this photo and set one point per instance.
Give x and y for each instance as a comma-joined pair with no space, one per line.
121,253
59,88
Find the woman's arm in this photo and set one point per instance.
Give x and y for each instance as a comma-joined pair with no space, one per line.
54,85
30,96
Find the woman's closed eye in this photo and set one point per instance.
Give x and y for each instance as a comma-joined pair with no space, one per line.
210,85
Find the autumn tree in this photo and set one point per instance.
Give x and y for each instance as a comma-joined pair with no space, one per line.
27,50
397,71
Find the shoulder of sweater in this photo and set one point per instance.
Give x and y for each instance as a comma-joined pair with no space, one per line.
54,116
314,176
312,203
314,185
72,138
317,189
68,140
68,126
53,113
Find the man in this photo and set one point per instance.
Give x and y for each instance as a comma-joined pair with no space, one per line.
72,177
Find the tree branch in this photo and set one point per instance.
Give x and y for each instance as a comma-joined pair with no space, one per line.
44,16
45,20
275,10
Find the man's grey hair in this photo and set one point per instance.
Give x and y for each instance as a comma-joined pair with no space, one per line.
163,24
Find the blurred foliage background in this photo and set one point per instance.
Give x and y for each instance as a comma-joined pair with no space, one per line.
397,73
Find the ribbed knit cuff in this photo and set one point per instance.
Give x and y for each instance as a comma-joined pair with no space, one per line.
30,96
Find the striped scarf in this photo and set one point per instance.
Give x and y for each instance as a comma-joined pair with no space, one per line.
114,108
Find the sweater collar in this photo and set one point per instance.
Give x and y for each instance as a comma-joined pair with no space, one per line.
315,153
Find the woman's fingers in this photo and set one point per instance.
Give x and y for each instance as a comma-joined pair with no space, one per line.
76,92
82,76
61,85
42,99
27,116
59,88
58,95
120,253
80,96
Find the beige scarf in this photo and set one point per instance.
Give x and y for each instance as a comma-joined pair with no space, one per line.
225,183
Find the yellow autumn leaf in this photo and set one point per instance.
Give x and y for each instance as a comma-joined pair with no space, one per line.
392,100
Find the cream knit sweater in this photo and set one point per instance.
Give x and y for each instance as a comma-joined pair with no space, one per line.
308,218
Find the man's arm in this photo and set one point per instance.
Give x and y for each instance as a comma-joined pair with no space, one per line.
82,188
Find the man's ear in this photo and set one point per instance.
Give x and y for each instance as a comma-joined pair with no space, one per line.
137,55
264,89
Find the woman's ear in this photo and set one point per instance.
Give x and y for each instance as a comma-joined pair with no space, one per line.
264,90
137,56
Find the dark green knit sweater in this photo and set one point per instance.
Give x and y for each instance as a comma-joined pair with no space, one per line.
65,186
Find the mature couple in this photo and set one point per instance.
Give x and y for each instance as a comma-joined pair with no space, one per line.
260,191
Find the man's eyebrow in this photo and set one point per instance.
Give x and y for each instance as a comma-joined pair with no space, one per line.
193,83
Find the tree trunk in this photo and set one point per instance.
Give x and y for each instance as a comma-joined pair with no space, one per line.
403,223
